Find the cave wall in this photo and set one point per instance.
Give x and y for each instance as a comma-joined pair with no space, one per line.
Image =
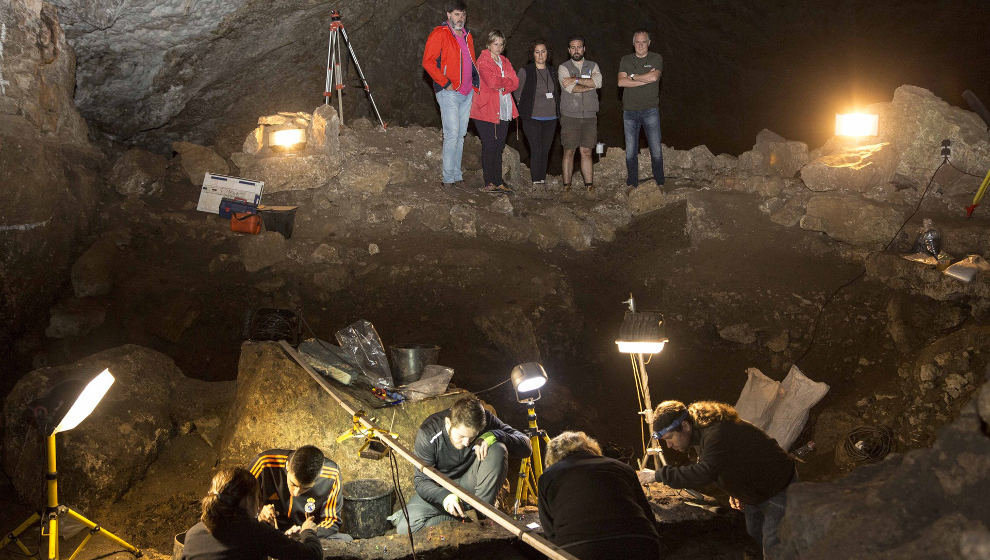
48,168
154,72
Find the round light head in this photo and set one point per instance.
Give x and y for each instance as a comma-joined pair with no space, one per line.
528,377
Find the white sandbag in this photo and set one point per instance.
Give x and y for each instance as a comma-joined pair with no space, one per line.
796,396
756,398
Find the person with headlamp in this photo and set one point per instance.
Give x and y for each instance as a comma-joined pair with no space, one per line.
734,455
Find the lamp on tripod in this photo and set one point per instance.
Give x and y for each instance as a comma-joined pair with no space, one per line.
526,379
643,332
60,410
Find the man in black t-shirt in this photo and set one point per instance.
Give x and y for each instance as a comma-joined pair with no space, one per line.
639,76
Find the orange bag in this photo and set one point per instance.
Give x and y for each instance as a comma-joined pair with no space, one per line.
245,222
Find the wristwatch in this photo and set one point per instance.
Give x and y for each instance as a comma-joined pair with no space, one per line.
632,76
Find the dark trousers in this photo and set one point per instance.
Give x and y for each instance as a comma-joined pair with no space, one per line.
539,135
649,121
492,145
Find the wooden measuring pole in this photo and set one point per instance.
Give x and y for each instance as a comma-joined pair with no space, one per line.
511,525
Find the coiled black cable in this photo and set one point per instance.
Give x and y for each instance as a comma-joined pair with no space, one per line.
867,444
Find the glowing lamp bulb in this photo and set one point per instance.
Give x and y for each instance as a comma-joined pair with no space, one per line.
640,347
531,384
86,402
288,137
856,124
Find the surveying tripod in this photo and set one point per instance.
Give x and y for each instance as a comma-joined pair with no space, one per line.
335,72
531,467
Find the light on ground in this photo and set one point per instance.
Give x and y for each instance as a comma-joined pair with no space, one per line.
856,124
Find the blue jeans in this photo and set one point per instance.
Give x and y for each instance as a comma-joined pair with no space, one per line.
455,111
649,120
762,521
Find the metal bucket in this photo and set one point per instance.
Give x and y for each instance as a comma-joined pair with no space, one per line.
178,544
410,359
367,505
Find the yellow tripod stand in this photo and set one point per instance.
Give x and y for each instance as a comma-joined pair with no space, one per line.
53,511
531,467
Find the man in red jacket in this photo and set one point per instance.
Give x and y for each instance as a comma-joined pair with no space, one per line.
449,60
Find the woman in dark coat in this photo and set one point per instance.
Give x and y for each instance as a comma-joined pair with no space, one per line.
229,528
537,97
592,506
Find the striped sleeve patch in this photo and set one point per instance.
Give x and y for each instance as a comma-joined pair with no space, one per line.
268,461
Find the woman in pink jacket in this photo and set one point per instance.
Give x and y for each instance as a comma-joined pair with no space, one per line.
493,109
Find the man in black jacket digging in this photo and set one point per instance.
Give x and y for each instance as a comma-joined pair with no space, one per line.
733,454
468,444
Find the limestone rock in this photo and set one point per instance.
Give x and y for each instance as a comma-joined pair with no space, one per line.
858,168
608,217
92,273
740,333
779,155
502,205
575,232
511,166
325,254
697,164
852,218
400,212
279,405
75,317
543,232
511,331
916,121
646,198
504,228
288,172
138,172
365,175
925,503
324,130
262,250
463,219
779,341
434,216
198,160
112,448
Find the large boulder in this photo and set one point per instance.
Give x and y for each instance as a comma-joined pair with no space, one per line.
49,171
198,160
138,172
112,448
775,154
287,173
278,404
857,168
916,121
927,503
852,218
92,273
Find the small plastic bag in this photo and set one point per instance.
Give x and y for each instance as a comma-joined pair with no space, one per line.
360,341
929,239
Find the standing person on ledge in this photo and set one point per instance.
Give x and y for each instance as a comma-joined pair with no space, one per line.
580,81
639,75
297,485
592,506
735,455
493,109
229,530
468,444
537,96
449,60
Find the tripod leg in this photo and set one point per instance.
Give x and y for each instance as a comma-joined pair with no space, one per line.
96,529
521,484
364,82
12,537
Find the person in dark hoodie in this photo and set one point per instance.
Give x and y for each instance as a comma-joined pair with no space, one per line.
592,506
449,60
229,528
733,454
471,446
